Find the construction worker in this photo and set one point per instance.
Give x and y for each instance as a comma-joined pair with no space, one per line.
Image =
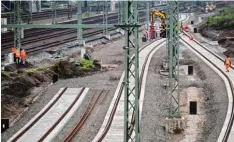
191,37
13,50
181,26
185,28
17,55
227,63
22,56
144,33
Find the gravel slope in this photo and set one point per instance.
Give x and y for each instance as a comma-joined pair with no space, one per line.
156,103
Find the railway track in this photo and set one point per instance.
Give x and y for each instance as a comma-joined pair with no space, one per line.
6,47
92,103
212,59
41,15
118,100
49,121
107,132
8,37
227,129
58,42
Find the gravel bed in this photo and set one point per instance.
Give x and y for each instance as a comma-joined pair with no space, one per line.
156,104
216,99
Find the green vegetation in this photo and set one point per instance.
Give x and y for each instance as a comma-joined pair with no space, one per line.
46,69
30,70
86,15
223,20
85,65
6,74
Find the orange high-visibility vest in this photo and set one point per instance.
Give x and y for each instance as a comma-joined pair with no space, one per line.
227,61
13,49
22,54
191,37
17,53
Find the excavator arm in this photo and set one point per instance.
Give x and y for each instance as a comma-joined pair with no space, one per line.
162,16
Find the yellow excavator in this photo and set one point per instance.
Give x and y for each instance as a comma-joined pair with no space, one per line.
162,16
211,7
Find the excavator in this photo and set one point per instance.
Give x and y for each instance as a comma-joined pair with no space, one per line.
162,16
211,7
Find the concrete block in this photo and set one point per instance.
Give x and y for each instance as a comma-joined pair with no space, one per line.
4,22
121,31
108,37
165,65
22,33
81,43
83,51
175,125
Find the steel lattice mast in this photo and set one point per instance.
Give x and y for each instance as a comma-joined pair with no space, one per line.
29,12
147,17
54,6
79,21
69,7
120,13
17,19
131,91
105,17
173,56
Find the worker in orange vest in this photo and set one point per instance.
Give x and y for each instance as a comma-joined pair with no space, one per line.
17,55
13,50
23,56
227,63
191,37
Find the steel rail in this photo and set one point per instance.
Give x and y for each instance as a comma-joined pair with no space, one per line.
107,127
62,116
6,42
84,117
40,116
56,43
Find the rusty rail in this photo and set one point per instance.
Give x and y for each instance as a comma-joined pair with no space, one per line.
84,117
62,116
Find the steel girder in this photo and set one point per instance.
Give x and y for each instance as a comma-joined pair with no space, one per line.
79,22
173,56
69,6
120,13
54,6
105,17
17,19
61,26
147,17
29,12
131,91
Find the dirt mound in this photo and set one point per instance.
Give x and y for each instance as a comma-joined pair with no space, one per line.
225,38
16,88
17,85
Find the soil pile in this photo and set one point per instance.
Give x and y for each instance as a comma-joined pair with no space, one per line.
17,85
220,28
16,88
225,38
